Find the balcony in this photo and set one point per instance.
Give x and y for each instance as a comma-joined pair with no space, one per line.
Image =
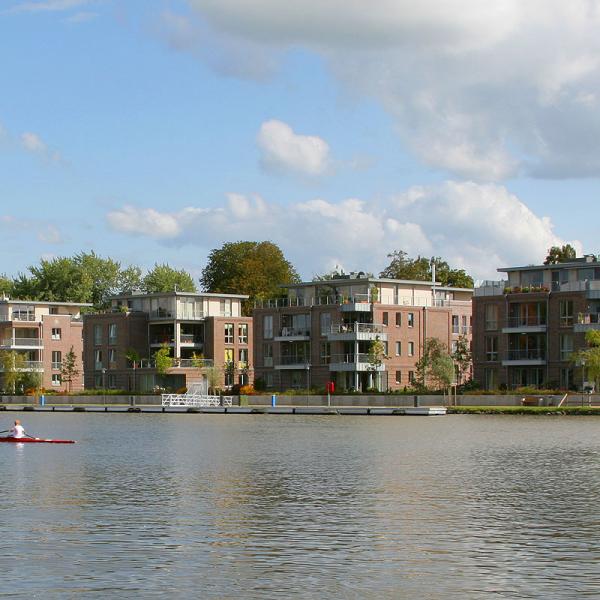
30,365
591,288
356,332
353,362
35,343
162,340
293,362
525,324
586,322
189,339
525,358
357,303
293,334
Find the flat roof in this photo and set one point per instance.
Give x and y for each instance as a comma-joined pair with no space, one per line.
367,280
581,263
43,302
182,294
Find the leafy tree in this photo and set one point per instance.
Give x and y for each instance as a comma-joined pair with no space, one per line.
462,358
13,364
213,376
130,279
419,269
376,354
68,369
589,358
254,268
6,285
333,274
163,278
163,360
560,254
435,366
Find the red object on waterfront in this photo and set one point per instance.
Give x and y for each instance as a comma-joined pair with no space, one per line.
15,440
330,387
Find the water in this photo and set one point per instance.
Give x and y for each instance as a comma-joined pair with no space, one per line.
297,506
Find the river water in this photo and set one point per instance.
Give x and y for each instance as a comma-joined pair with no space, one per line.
258,506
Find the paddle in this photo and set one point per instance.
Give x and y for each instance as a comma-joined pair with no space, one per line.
5,431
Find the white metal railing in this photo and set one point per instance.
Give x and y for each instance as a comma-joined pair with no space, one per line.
195,400
294,332
357,328
425,301
19,342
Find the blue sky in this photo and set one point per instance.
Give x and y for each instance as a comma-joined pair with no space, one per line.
154,131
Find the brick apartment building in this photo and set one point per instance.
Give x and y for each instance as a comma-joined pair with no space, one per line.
201,331
322,331
527,326
44,333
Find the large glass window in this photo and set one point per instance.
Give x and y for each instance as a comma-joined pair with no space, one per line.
491,379
411,319
228,333
243,333
112,333
566,346
491,347
56,359
325,322
566,313
268,327
268,355
455,324
491,317
97,335
411,348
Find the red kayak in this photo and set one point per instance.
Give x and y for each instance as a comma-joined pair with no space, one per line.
25,440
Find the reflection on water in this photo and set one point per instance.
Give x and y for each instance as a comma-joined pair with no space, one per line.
322,507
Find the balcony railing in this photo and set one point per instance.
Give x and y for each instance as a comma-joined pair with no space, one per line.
294,332
526,321
23,315
29,365
588,318
357,328
178,363
189,338
530,354
349,358
425,300
22,342
294,360
162,340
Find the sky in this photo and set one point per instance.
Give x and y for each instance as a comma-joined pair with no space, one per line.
154,131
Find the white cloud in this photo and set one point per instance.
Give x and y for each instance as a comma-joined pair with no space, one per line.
482,90
50,234
144,221
35,145
476,227
284,151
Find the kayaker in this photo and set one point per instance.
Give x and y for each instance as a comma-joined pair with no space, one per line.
17,430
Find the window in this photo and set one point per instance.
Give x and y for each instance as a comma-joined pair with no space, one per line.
56,333
411,377
411,348
398,319
325,353
491,348
112,333
411,320
566,313
56,380
229,333
491,379
567,381
454,346
268,327
385,349
56,359
465,326
268,380
398,377
112,381
97,381
455,328
112,356
97,359
398,348
566,346
226,307
228,356
243,333
54,310
268,355
97,334
385,318
491,317
325,322
243,358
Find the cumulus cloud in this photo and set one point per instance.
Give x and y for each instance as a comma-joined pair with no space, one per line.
284,151
482,90
476,227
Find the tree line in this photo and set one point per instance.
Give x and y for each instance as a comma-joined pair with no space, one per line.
258,269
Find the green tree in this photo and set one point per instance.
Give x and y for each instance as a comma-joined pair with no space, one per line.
402,266
68,368
214,377
435,367
254,268
375,357
560,254
6,285
589,358
163,360
13,364
130,279
163,278
462,358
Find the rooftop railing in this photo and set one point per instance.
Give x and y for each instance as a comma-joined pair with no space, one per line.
419,301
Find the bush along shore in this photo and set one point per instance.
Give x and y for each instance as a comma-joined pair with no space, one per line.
524,410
